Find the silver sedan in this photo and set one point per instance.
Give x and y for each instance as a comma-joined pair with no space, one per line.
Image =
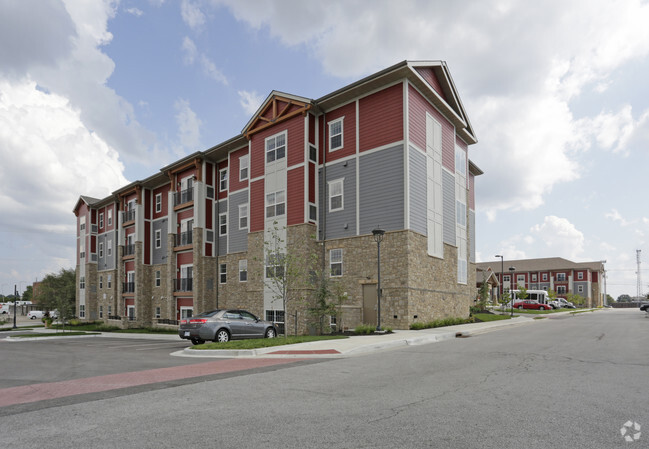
224,325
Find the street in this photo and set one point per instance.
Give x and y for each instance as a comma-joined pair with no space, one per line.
570,381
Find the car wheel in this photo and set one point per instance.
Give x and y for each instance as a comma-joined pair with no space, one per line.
270,333
197,341
32,317
222,336
520,307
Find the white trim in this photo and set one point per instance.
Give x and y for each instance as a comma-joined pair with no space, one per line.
406,158
246,205
341,262
155,238
340,120
247,158
276,159
358,170
222,180
330,184
155,203
223,214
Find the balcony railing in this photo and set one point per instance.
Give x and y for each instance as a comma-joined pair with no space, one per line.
184,238
184,196
183,285
128,215
128,287
129,250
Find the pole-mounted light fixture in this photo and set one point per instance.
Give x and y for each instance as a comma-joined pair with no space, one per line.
378,238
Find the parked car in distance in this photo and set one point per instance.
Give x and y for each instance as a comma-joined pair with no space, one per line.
54,314
645,307
224,325
529,304
35,314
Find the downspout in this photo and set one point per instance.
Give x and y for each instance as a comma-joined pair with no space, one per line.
215,225
324,189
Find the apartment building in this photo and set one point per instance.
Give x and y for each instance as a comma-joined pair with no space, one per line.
388,151
586,279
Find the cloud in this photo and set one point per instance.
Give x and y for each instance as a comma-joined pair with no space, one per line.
250,101
192,14
189,134
135,11
560,238
617,217
191,55
517,88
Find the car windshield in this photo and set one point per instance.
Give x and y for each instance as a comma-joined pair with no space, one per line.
209,313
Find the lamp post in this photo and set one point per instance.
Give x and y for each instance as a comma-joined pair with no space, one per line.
378,238
15,299
502,269
511,282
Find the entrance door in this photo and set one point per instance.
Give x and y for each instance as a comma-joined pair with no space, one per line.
370,300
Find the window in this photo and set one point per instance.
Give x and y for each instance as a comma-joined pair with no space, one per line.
109,248
186,312
82,282
580,275
101,282
109,280
277,318
243,270
561,289
274,266
275,204
561,277
158,202
82,311
223,224
336,195
210,192
101,220
313,212
223,273
336,262
209,236
276,147
82,223
313,153
520,279
580,289
101,311
157,278
101,250
336,134
158,238
462,265
506,278
460,161
533,278
460,208
243,168
223,180
110,217
243,216
545,276
110,311
157,312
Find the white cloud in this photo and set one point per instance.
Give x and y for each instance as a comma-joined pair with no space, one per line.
560,238
191,55
189,51
189,133
617,217
192,14
135,11
250,101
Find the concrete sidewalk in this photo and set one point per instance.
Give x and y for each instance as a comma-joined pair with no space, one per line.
361,344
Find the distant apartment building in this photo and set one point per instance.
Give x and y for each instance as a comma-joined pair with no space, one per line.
390,150
586,279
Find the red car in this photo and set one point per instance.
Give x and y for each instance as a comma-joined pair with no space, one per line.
529,304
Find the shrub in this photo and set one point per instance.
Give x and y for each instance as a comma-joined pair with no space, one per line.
441,323
364,329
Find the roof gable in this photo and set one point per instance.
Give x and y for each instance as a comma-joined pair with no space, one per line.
277,108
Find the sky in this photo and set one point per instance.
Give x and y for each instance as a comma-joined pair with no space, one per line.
96,94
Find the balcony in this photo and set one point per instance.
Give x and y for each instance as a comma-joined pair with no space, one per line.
183,285
184,238
128,215
129,250
128,287
184,196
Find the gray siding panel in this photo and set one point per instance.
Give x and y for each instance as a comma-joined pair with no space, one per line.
221,207
417,191
472,236
107,262
159,254
238,239
340,223
381,190
448,187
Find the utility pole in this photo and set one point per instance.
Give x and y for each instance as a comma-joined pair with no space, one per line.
15,299
639,276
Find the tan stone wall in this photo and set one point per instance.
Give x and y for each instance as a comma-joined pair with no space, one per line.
106,296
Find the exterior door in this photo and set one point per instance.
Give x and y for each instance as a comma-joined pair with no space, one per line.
370,301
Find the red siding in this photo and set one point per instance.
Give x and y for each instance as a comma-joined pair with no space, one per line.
428,74
185,214
220,166
256,206
471,192
235,184
295,140
128,266
209,176
146,193
294,128
93,244
381,118
209,205
349,131
147,242
295,197
418,106
111,226
594,276
186,258
312,129
164,192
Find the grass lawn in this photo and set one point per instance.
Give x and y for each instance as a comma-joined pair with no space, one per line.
267,342
484,317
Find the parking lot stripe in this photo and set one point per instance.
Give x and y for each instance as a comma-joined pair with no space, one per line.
53,390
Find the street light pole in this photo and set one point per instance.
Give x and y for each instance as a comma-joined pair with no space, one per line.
378,238
511,282
502,269
15,299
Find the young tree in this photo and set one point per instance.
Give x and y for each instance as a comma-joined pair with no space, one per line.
57,292
576,299
28,293
504,299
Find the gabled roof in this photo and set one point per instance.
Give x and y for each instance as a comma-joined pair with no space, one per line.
543,264
90,201
278,107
